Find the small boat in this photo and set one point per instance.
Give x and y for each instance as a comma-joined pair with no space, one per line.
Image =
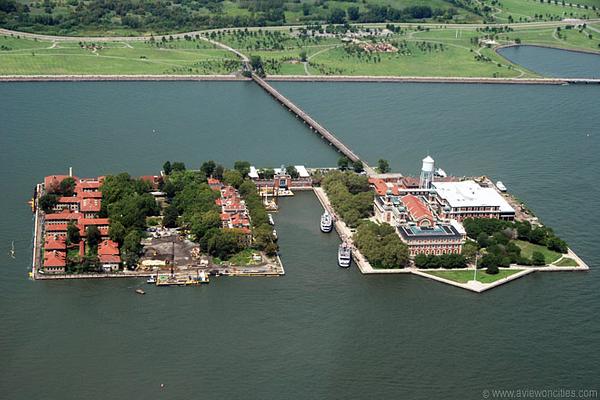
140,291
501,186
274,234
440,172
271,219
344,255
151,280
326,222
12,250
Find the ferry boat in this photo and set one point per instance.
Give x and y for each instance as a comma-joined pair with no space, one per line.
344,255
326,222
501,186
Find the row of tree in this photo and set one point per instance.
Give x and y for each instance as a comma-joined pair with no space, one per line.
449,261
381,245
349,194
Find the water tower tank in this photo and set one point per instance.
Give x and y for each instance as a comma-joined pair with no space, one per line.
428,164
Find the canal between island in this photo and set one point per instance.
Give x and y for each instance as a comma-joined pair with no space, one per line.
319,331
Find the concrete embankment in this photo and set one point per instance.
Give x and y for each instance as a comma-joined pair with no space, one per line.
98,78
431,79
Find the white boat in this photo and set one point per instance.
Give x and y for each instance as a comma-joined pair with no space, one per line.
501,186
326,222
274,234
440,172
12,250
271,219
344,255
151,280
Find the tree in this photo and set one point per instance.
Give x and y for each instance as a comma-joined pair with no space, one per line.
178,166
257,65
47,202
357,166
268,173
93,236
233,178
117,232
556,244
383,166
167,167
353,13
208,167
73,235
170,217
483,240
421,261
67,186
538,235
291,171
218,172
243,167
337,16
131,248
492,270
537,258
303,56
343,163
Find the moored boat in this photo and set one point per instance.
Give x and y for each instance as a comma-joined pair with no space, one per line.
501,186
344,255
140,291
151,280
326,222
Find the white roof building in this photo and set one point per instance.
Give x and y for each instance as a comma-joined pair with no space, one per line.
468,195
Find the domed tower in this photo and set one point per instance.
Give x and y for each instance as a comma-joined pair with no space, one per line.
427,173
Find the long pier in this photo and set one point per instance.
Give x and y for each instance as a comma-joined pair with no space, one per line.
313,125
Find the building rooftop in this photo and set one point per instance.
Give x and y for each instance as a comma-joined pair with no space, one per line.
470,194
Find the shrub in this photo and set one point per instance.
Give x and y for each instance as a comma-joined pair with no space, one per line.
492,270
537,258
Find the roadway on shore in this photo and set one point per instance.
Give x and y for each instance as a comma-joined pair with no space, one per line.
39,36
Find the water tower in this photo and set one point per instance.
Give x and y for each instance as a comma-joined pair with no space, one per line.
426,173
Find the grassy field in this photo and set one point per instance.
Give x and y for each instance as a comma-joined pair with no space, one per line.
421,52
527,250
26,57
566,262
534,10
463,276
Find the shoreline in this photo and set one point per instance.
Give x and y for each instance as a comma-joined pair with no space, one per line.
297,78
545,46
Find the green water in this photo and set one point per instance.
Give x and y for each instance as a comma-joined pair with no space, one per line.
320,331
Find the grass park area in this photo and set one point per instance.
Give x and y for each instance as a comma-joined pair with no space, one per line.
420,51
463,276
566,262
29,57
527,250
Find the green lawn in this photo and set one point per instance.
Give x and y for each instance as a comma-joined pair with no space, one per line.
242,258
527,250
463,276
526,10
566,262
28,57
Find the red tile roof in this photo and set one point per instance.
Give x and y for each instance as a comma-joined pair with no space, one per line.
417,209
382,187
53,181
56,227
63,216
90,195
54,259
55,242
69,200
90,205
108,252
108,247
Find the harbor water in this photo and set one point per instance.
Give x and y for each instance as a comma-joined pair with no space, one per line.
553,62
320,331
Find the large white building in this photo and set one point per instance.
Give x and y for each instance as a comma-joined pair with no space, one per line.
468,199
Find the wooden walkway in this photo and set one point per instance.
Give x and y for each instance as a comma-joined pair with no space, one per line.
313,125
